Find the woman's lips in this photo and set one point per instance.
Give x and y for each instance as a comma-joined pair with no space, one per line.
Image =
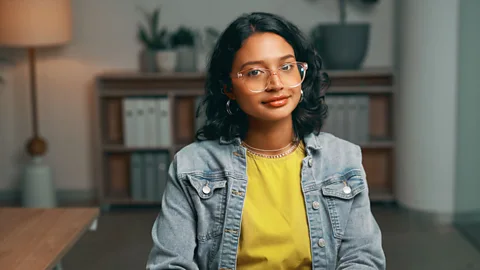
277,102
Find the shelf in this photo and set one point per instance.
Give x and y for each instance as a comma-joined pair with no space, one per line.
378,145
118,148
150,92
129,201
365,73
359,90
139,76
113,159
332,90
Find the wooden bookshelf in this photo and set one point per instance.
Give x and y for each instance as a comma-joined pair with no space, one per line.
182,88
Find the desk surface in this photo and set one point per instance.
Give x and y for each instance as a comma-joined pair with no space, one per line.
38,238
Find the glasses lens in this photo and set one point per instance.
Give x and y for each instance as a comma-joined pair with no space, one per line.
292,74
256,80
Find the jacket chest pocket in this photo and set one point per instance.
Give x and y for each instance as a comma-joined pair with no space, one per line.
209,199
339,191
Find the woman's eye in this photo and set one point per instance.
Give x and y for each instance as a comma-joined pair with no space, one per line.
254,72
287,67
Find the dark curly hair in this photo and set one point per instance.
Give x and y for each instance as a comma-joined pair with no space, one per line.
309,115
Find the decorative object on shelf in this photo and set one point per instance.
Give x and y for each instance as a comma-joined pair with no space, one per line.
156,54
343,45
49,24
183,41
205,43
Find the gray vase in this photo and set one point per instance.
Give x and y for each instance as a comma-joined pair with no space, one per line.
342,46
147,60
186,59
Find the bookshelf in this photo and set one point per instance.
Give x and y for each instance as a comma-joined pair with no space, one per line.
114,153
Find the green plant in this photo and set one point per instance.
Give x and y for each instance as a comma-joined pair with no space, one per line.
183,37
153,38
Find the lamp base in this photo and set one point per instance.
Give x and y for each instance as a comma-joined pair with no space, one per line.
37,146
38,187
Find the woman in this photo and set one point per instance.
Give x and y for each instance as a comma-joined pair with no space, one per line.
263,188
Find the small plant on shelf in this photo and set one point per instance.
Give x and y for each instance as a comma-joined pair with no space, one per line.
184,36
157,53
153,37
183,41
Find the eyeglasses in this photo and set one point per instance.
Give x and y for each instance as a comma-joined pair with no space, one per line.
290,74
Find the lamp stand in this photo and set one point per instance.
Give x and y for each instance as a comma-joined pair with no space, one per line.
38,187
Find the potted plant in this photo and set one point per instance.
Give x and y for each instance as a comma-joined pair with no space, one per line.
183,41
156,54
343,45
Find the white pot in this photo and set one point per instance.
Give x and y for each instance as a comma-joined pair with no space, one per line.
166,60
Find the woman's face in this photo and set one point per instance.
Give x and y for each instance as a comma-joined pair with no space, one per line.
259,52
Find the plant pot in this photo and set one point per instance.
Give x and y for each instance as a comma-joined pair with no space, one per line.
166,60
342,46
186,59
147,60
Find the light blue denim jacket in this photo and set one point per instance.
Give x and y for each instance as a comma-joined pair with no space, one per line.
199,224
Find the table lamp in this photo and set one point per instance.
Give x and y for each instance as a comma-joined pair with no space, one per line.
34,24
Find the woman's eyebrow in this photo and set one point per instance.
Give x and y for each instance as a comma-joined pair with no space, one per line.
262,62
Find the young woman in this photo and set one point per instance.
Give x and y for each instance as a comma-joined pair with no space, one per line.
263,188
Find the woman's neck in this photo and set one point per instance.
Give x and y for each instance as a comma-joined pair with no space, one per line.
270,135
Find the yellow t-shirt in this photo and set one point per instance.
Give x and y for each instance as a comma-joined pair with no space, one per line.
274,231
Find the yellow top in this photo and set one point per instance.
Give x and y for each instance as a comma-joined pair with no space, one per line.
274,231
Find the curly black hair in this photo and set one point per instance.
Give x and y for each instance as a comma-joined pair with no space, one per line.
309,115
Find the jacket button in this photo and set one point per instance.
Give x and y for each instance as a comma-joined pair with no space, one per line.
315,205
206,189
321,242
310,162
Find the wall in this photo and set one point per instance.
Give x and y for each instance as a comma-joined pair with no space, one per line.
467,202
426,104
104,38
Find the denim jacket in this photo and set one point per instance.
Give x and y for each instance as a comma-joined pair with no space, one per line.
199,223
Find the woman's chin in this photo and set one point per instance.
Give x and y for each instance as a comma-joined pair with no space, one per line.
275,115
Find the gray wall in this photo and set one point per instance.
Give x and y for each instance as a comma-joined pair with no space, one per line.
425,104
467,186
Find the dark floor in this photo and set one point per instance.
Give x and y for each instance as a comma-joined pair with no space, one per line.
122,241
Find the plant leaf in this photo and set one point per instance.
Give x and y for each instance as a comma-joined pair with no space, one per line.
154,21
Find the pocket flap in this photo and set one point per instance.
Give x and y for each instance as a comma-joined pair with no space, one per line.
344,186
205,188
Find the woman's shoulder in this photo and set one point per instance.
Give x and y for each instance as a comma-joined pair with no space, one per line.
199,147
329,142
336,149
202,155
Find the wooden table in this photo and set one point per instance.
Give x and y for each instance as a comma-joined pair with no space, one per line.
34,239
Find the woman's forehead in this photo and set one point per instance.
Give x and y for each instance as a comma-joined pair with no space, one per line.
263,47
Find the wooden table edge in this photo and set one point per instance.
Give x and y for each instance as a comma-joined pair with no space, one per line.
60,255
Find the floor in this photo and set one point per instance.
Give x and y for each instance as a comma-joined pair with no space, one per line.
122,241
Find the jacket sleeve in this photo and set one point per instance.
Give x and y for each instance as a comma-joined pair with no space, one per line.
173,232
361,247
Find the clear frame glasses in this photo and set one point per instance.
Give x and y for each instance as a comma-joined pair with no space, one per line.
290,74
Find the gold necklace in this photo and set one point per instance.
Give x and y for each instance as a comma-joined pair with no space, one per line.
289,151
267,150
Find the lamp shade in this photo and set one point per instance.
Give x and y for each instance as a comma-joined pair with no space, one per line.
35,23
